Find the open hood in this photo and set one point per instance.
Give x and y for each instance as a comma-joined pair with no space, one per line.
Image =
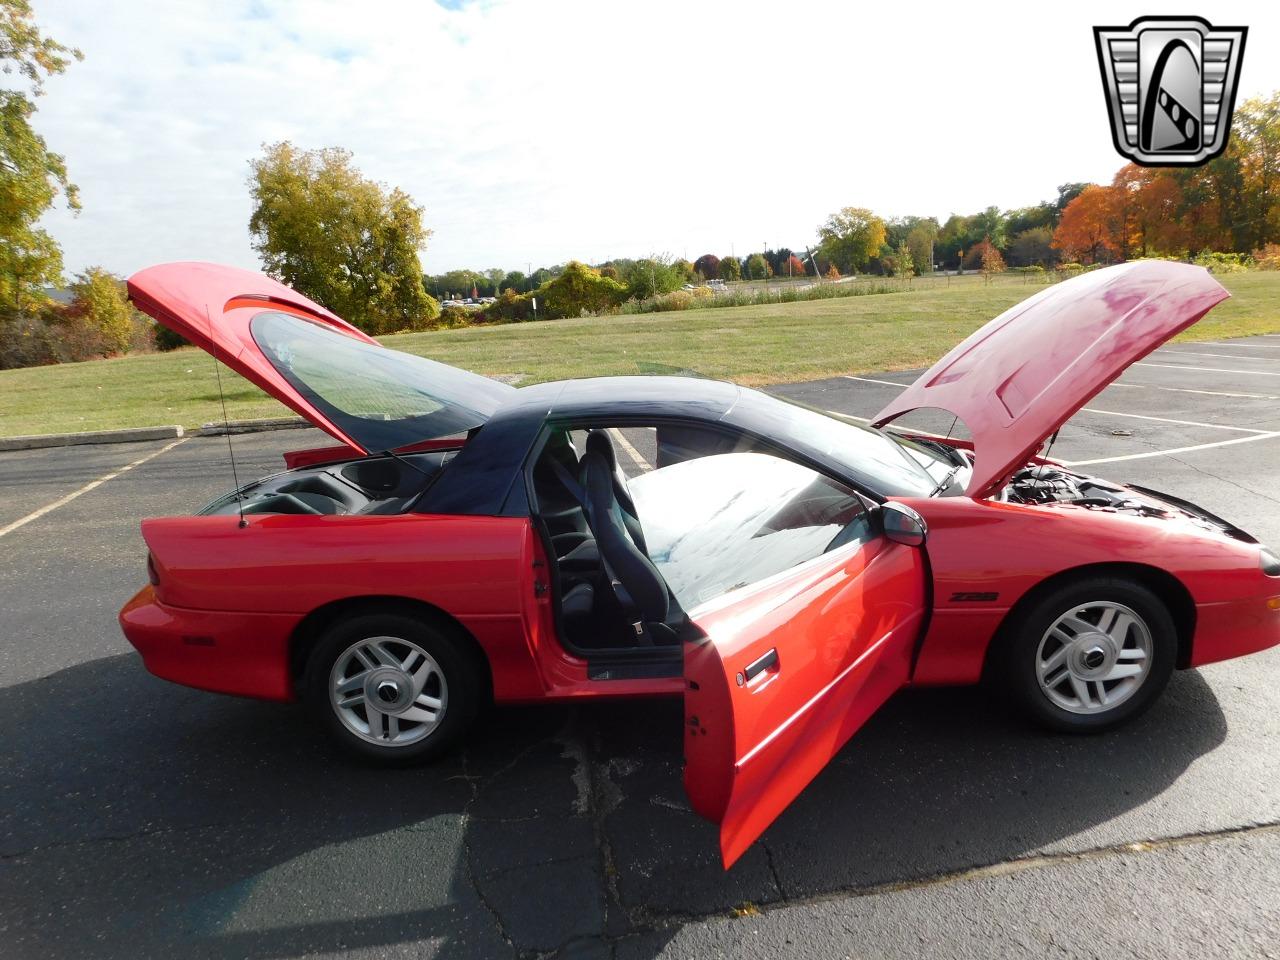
365,395
1023,375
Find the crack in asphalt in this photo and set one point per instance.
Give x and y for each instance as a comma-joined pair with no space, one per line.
470,877
773,871
1008,867
1227,480
672,920
602,797
113,838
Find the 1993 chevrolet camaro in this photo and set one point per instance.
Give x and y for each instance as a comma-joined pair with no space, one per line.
783,571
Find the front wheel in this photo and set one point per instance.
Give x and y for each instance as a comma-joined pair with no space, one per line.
1089,655
391,689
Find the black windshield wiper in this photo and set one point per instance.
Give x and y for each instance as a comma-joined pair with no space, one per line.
945,481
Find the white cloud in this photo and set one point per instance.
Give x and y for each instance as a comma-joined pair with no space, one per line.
536,132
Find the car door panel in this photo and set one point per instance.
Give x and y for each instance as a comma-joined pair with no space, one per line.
788,672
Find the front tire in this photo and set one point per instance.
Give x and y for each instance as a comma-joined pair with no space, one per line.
391,689
1089,655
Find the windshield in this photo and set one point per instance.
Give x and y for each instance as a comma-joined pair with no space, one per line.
381,398
948,466
874,458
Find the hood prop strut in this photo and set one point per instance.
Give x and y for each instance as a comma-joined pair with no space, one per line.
226,424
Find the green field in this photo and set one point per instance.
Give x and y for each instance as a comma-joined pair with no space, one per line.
770,343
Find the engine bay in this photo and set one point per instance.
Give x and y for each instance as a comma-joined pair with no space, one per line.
1042,483
385,484
1045,484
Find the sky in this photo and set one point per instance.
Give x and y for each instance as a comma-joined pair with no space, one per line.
537,131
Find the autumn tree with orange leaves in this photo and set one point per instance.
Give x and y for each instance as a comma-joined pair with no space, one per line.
1084,232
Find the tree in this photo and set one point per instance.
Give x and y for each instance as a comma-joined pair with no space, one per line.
758,267
730,269
990,225
103,307
954,238
511,307
1084,232
1256,134
794,267
708,266
1032,247
580,288
653,276
1028,218
1068,192
920,241
347,242
515,280
33,176
832,273
992,262
850,237
777,260
494,276
543,275
1158,213
904,263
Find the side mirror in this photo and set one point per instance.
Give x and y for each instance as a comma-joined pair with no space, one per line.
903,525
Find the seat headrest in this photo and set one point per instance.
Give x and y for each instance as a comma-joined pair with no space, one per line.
598,442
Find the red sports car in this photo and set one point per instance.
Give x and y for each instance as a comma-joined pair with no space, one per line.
783,571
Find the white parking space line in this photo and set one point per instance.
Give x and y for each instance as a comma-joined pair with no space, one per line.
1187,366
1184,423
894,427
1165,453
62,501
1238,346
1219,356
1109,413
1207,393
848,416
629,450
883,383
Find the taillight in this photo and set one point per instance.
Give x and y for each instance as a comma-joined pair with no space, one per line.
152,574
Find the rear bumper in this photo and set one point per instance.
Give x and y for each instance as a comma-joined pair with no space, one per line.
246,654
1235,628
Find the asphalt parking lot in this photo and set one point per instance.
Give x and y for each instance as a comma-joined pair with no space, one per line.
141,819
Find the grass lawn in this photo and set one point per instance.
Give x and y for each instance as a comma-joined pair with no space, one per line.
771,343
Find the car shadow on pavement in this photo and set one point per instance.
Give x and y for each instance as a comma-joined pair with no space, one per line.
143,819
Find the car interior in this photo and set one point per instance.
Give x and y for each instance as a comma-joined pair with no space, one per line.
610,594
375,485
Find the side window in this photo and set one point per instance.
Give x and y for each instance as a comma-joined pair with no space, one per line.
727,520
716,511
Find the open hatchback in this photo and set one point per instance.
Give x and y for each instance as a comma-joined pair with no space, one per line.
367,397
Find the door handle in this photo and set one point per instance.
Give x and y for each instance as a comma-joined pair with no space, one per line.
767,662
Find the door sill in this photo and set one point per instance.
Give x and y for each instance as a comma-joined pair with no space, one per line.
646,663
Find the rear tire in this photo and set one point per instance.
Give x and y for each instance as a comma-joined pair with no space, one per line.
391,689
1087,656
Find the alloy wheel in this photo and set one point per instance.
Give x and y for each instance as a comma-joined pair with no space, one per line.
1094,657
388,691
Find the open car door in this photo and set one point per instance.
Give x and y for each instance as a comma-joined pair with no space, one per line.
790,668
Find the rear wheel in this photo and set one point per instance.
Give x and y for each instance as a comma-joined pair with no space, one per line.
392,689
1089,655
